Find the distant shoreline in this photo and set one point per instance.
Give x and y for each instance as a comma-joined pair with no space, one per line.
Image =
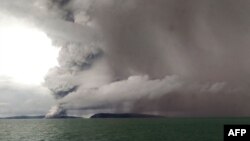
39,117
98,115
124,115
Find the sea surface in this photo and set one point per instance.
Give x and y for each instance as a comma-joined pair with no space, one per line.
165,129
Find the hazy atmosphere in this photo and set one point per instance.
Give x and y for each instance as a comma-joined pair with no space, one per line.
163,57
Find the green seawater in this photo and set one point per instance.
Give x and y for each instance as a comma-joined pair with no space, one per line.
166,129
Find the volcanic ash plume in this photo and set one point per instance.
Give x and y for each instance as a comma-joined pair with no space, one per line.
56,112
170,57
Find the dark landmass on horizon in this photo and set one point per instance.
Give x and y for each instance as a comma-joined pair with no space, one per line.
23,117
39,117
124,115
98,115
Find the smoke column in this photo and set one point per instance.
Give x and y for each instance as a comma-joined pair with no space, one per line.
169,57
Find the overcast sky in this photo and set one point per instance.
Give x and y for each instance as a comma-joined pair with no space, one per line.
169,57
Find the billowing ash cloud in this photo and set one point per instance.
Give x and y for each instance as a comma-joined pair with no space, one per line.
73,59
170,57
56,112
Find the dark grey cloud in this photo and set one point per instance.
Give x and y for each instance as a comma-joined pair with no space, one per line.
201,45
